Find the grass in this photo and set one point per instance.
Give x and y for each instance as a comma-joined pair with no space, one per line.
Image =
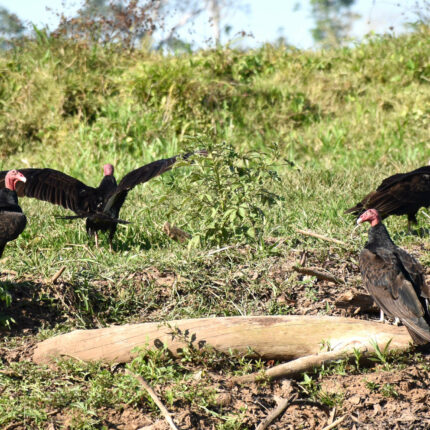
313,130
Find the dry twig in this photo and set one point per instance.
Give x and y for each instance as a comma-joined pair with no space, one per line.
59,272
297,366
176,233
155,398
320,275
334,423
282,404
215,251
320,236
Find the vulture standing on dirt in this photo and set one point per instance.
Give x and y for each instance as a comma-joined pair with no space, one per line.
395,279
12,220
401,194
100,206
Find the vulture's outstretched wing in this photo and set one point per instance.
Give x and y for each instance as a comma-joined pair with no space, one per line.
393,290
141,175
400,177
399,194
57,188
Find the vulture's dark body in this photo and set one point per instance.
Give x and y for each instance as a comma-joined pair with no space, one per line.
12,220
101,205
96,222
395,281
400,194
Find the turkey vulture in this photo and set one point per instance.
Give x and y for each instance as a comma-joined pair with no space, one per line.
12,220
400,194
395,279
100,206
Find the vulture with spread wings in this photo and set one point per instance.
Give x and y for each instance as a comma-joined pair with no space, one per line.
395,279
100,206
400,194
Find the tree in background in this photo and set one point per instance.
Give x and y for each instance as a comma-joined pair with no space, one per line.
127,22
11,27
333,21
100,21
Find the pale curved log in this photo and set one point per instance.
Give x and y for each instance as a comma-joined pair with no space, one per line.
270,337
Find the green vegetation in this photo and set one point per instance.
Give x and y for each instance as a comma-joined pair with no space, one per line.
294,139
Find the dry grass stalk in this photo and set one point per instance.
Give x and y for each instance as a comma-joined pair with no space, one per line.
155,398
320,236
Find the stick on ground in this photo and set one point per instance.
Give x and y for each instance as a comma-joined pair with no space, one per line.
320,275
299,365
334,423
54,278
154,397
320,236
282,404
176,233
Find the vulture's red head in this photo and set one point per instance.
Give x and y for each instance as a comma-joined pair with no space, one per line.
12,177
371,215
108,170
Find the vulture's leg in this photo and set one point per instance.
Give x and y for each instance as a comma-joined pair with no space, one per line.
409,226
96,238
382,319
396,321
412,219
112,231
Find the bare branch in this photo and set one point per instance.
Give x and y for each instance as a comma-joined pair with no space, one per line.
155,398
320,236
282,404
320,275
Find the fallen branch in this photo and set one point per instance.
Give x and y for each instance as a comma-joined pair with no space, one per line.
59,272
176,233
320,236
320,275
282,404
215,251
281,337
299,365
155,398
334,423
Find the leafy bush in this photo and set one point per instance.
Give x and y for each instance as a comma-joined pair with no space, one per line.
226,195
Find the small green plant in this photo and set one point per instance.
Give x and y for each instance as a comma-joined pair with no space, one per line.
5,302
226,196
315,393
388,390
381,356
372,386
357,357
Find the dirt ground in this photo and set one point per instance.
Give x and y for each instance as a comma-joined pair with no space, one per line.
374,397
